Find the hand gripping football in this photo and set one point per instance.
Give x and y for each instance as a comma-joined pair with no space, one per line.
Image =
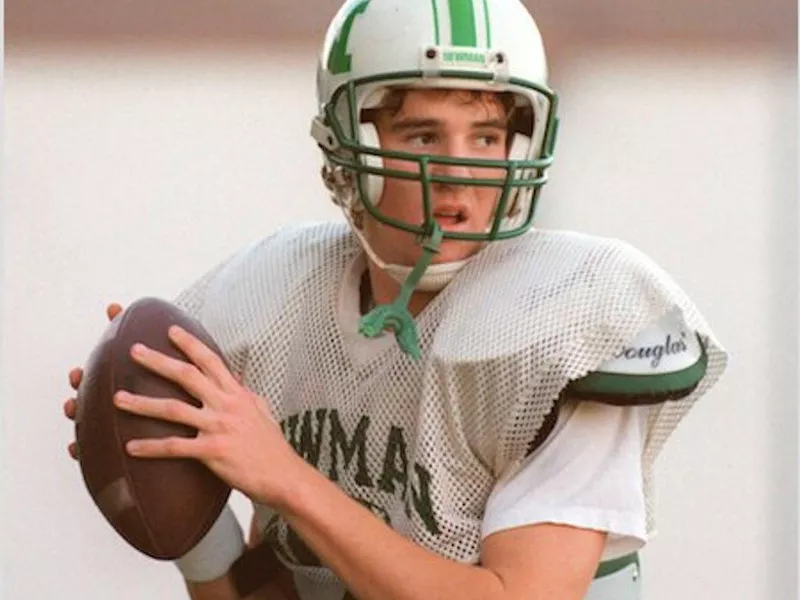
162,507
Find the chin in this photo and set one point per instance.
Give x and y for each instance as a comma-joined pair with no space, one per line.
456,250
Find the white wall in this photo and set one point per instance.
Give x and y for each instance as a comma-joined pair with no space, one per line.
129,174
692,159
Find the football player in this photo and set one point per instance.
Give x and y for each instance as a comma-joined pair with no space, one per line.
433,399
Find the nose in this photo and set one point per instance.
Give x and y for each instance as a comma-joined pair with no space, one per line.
454,148
455,171
452,170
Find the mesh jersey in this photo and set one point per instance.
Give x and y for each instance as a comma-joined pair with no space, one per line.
423,443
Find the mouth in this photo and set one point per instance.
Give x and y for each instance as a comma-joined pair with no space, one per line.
451,217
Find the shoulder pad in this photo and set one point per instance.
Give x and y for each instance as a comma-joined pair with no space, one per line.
664,362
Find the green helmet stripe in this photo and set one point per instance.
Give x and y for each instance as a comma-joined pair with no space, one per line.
339,60
463,31
487,23
436,22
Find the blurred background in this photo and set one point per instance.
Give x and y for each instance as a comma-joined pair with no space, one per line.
146,140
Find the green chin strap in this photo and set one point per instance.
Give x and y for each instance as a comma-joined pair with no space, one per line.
396,316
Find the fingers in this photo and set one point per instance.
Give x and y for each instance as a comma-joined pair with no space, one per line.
112,310
70,408
185,374
166,409
171,447
73,450
75,376
201,355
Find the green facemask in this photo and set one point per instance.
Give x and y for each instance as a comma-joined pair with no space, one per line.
521,175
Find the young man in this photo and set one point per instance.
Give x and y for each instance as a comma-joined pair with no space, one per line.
434,400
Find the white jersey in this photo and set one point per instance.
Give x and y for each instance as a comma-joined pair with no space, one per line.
423,443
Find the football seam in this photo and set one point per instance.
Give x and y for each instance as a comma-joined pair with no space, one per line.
117,435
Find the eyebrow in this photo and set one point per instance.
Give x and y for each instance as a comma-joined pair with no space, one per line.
415,123
490,124
412,123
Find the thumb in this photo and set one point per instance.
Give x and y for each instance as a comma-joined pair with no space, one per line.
112,310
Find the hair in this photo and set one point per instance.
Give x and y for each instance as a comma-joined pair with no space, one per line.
394,100
519,119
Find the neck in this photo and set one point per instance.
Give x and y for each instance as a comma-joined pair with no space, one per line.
384,290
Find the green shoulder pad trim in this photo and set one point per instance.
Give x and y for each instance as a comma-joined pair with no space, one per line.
624,385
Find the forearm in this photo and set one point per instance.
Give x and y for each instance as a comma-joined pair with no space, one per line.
374,561
221,588
256,574
224,589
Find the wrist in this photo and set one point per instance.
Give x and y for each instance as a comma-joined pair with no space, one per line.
292,490
213,556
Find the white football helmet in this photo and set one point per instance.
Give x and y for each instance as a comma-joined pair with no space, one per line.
375,45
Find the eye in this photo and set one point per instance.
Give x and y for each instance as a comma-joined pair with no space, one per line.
488,140
421,140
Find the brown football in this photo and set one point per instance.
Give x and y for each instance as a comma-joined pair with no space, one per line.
162,507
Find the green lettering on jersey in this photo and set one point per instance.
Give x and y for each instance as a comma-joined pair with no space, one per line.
310,441
395,463
272,536
376,509
285,542
304,555
422,500
339,60
348,448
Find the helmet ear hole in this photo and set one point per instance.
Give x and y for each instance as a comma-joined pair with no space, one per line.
373,184
519,150
520,145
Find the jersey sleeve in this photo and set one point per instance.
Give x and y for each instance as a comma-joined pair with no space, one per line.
665,361
587,471
587,474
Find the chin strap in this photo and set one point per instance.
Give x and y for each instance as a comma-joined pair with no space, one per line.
435,277
396,316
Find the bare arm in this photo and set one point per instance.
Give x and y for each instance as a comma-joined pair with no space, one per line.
223,589
374,561
280,587
537,562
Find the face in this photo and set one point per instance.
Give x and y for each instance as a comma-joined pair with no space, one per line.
454,124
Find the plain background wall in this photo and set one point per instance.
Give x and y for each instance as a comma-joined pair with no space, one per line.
131,173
